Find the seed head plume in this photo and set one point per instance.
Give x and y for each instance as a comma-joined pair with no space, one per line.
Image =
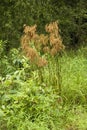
54,38
50,43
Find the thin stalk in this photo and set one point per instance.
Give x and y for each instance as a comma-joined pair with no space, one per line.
40,73
58,72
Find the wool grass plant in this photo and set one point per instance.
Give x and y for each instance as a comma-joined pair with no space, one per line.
48,46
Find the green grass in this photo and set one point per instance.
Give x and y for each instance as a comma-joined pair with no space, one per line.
74,78
30,99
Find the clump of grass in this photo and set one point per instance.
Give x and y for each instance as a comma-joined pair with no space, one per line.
49,46
74,81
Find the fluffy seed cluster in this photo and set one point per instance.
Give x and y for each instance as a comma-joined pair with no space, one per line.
54,38
51,43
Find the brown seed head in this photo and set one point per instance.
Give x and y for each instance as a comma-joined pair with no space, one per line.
41,62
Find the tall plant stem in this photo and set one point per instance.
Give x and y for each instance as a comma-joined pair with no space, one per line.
58,72
40,73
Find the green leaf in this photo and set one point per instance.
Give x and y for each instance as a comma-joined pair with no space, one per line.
1,113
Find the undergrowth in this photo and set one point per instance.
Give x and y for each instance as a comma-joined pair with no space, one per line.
29,103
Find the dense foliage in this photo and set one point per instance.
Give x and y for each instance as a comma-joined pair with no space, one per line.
30,98
72,17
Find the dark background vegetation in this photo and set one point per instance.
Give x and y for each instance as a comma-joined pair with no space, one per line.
71,14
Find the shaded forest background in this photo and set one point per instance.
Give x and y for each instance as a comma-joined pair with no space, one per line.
72,17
